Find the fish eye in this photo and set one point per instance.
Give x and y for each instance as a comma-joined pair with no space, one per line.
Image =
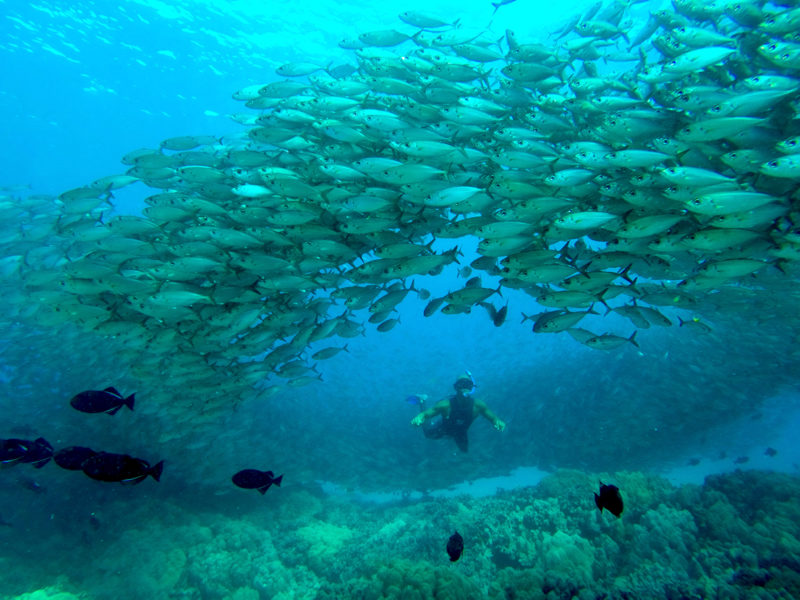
773,163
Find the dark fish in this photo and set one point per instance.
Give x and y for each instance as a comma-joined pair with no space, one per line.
610,499
693,462
39,453
72,458
12,451
108,401
770,452
500,316
253,479
105,466
455,546
740,460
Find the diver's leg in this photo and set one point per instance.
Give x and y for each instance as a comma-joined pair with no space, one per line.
462,441
433,430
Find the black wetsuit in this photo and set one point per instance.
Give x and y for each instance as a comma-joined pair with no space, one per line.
455,424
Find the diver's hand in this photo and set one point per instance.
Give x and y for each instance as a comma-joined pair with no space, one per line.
418,420
499,425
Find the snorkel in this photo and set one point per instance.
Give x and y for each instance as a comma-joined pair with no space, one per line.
465,384
474,385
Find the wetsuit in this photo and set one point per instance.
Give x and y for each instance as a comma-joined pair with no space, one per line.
455,424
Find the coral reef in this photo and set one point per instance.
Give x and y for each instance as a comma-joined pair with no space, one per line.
736,537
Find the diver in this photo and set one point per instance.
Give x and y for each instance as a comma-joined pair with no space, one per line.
456,413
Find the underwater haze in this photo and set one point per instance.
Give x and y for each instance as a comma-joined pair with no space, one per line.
376,300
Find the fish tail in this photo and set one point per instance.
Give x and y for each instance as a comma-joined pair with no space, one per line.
277,480
130,400
155,470
632,339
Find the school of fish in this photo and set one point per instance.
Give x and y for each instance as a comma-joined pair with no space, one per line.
633,161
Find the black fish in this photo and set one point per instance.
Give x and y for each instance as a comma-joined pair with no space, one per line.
108,401
610,499
72,458
105,466
39,453
455,546
693,462
12,451
770,452
253,479
740,460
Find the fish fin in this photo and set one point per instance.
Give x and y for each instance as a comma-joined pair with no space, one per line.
632,339
43,442
155,470
112,390
41,463
130,400
114,410
598,503
263,489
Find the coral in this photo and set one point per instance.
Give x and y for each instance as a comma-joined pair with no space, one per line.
407,580
320,541
567,556
48,594
243,593
298,505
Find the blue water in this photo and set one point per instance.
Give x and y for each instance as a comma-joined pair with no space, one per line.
367,502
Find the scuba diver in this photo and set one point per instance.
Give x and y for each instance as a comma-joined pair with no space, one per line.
456,413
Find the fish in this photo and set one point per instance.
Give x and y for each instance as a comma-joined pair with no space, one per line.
610,499
253,479
455,546
39,453
4,523
120,468
770,452
73,457
108,401
12,451
740,460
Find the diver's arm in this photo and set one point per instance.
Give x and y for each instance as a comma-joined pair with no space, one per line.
440,408
489,415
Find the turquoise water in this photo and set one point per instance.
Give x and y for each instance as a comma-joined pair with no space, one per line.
695,425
